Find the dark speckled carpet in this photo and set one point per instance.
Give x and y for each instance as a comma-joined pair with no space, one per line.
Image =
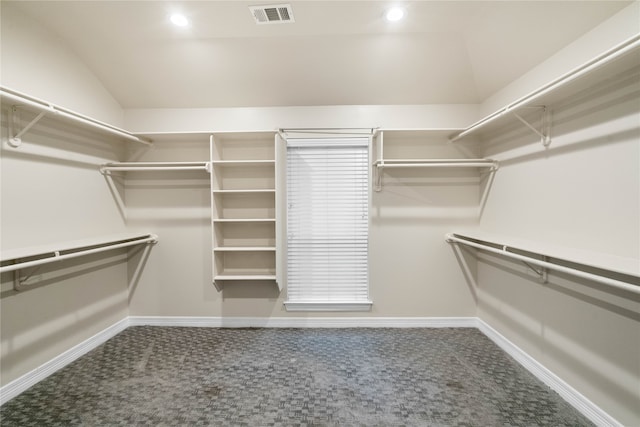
161,376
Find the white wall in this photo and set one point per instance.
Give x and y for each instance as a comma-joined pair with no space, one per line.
409,276
611,32
454,116
53,192
582,192
36,62
407,226
413,270
176,280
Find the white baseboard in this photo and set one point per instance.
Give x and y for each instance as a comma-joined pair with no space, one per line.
307,322
571,395
27,380
585,406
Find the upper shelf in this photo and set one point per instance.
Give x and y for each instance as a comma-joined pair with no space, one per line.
9,96
615,61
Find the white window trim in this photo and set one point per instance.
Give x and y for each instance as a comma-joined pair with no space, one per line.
328,306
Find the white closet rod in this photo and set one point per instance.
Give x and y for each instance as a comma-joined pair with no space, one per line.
329,131
151,238
154,166
47,107
597,62
469,163
578,273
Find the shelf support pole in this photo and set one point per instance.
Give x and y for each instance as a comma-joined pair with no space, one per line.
543,133
377,178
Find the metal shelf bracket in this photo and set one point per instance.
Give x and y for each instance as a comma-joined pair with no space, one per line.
20,282
15,138
542,273
543,133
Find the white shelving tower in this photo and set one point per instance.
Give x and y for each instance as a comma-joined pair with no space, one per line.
243,207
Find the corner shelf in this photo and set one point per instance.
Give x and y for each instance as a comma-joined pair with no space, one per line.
243,199
611,64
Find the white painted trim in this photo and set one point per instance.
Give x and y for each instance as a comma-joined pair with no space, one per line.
307,322
327,306
21,384
581,403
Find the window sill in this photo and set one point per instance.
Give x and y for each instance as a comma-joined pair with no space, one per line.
328,306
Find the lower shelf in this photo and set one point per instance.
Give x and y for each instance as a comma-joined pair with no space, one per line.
245,249
244,277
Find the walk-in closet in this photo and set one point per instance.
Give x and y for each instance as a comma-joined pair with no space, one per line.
320,213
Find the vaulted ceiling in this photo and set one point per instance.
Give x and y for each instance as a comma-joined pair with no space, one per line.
336,52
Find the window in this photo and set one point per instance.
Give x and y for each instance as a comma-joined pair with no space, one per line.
328,224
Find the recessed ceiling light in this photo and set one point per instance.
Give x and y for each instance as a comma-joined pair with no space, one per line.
179,20
395,14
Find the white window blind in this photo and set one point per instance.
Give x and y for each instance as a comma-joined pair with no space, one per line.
327,224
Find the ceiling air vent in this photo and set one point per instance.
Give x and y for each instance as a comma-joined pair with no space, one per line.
272,14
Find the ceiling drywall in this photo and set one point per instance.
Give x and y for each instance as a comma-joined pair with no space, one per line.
336,52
